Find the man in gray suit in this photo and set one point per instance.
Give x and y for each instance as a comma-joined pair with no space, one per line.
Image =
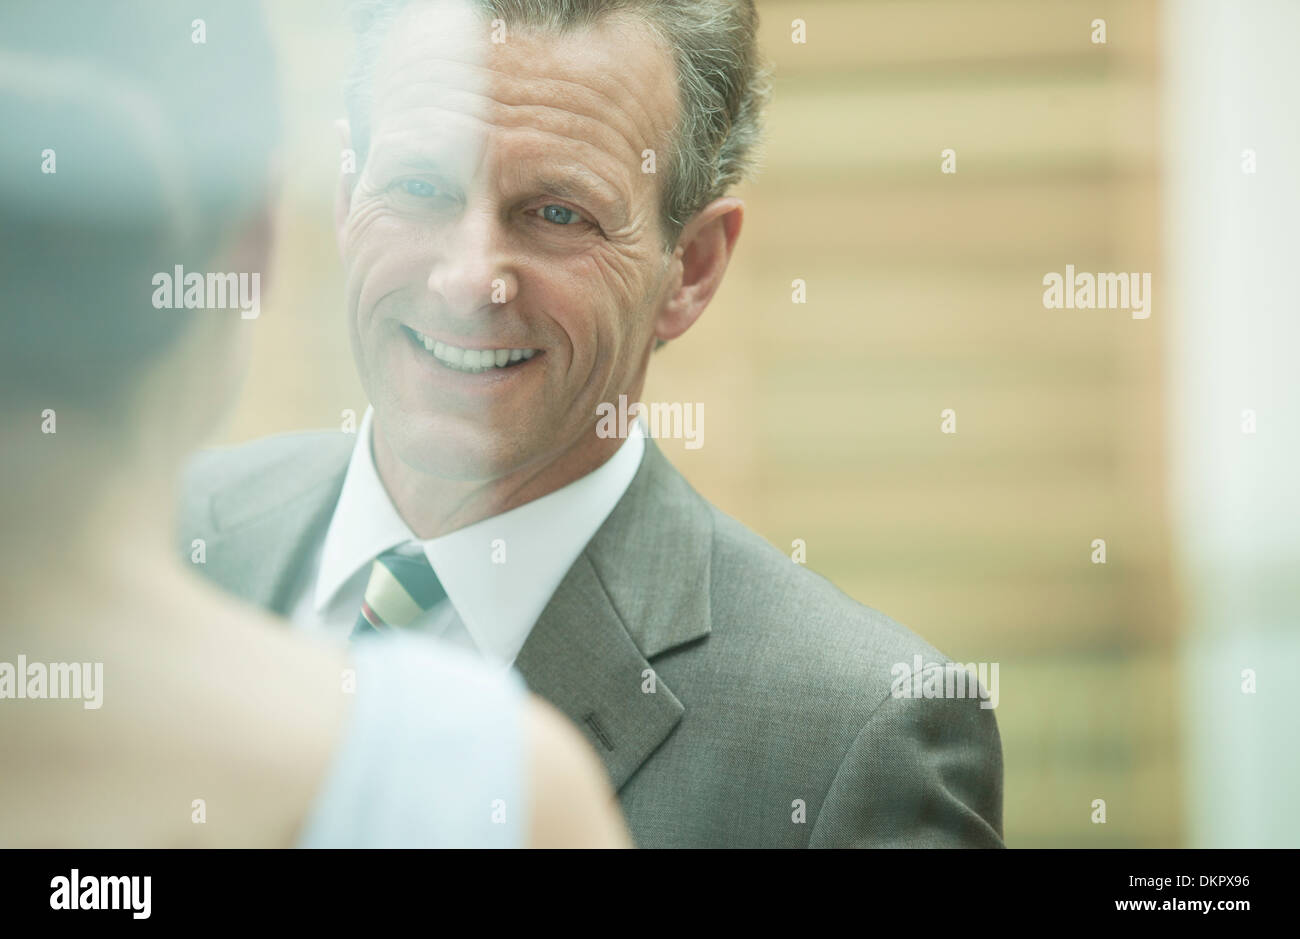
540,200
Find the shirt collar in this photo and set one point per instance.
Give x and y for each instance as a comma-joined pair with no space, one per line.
500,572
364,525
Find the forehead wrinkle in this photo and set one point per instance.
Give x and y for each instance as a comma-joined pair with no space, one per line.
600,163
407,148
591,131
625,26
621,109
408,131
614,116
459,41
623,99
493,108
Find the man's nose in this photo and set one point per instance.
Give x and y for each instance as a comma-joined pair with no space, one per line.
469,274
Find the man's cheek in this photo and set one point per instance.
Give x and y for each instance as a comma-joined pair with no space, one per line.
618,277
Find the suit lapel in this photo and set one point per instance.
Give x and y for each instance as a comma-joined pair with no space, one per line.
640,588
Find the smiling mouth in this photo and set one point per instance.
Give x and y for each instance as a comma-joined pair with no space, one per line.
472,361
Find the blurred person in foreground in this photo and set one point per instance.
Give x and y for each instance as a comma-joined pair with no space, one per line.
541,198
138,705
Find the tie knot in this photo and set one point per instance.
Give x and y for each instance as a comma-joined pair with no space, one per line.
401,587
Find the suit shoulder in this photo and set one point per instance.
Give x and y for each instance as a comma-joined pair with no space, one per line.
755,584
789,649
306,456
216,467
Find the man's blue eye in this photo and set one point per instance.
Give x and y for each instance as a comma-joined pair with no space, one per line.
419,188
559,214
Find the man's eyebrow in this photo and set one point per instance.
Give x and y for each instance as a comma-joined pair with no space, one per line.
578,187
418,162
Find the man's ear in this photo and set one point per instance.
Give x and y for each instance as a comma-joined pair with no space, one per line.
699,261
347,180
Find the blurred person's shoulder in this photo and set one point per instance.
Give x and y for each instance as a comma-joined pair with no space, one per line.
268,469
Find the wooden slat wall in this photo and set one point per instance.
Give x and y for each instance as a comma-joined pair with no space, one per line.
924,293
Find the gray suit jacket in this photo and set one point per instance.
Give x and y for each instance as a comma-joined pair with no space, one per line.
736,698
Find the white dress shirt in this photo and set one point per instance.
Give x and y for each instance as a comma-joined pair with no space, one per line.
499,573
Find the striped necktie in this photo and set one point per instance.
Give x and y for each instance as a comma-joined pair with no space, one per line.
401,587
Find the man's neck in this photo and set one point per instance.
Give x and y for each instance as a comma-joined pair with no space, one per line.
433,506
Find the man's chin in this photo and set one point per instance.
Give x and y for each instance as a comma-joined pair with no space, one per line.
452,449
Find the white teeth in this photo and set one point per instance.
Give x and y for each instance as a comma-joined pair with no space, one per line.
472,360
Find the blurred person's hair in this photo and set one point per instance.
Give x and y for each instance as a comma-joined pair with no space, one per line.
162,152
723,84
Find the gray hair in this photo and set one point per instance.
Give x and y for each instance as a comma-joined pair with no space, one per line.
722,82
